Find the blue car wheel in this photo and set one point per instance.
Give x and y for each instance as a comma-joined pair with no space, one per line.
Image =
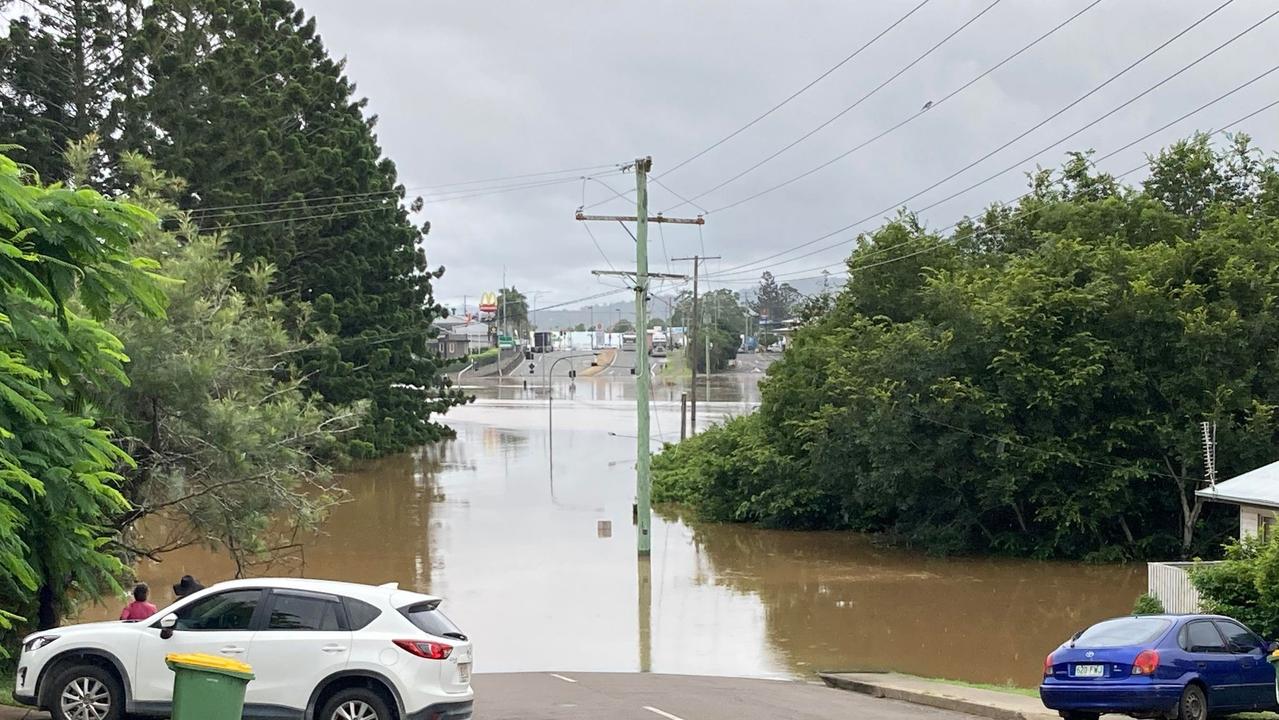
1193,705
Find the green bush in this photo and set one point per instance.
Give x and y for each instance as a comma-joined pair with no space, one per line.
1148,604
1243,586
731,473
486,357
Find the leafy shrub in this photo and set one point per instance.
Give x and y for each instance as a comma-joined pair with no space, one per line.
1148,605
1243,585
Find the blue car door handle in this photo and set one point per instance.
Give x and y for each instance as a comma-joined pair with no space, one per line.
1201,665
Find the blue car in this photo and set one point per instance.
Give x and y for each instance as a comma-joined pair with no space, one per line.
1166,666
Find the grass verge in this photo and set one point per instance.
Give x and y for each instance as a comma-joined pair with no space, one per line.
6,688
1012,689
675,368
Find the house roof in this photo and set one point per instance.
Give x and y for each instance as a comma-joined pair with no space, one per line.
1255,487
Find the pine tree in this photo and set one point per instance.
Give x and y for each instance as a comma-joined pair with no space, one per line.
63,67
246,105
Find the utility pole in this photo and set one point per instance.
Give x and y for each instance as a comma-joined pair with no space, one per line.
643,481
690,343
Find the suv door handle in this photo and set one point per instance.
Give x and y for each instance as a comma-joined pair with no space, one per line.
232,650
1201,665
334,648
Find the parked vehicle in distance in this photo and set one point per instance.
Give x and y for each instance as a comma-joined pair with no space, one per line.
542,342
320,650
1183,666
628,342
657,341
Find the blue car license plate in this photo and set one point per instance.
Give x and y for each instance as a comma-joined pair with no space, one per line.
1089,671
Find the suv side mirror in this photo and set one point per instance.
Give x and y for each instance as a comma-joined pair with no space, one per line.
167,625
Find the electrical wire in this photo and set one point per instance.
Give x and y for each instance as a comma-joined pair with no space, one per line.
406,190
370,201
931,107
1040,124
847,109
364,208
1107,156
1017,215
798,92
589,232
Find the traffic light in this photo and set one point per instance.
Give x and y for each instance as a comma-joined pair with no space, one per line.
572,374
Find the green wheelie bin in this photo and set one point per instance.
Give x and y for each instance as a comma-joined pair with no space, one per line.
207,687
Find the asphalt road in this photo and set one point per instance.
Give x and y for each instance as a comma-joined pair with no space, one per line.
644,696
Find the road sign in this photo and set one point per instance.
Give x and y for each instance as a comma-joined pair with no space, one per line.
505,342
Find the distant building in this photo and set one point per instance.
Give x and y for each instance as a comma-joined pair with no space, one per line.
461,336
1256,492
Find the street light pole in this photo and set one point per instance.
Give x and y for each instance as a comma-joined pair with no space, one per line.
547,374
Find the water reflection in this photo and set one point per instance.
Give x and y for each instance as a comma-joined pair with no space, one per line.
528,571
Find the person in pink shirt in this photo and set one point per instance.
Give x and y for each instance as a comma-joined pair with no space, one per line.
139,609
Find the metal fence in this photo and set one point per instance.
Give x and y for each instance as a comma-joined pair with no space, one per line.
1170,582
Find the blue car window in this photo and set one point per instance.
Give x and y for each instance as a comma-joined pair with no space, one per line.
1240,638
1201,637
1121,632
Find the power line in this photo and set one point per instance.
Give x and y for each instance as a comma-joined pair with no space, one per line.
847,109
931,107
205,210
596,242
429,199
1038,125
1017,215
798,92
681,197
365,208
1107,156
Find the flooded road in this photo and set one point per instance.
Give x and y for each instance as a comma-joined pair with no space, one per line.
537,562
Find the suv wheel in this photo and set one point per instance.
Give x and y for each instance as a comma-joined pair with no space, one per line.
86,692
356,704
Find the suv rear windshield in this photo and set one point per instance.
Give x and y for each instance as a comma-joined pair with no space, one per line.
1122,631
427,618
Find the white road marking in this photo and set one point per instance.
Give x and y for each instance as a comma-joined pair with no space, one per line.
663,713
561,677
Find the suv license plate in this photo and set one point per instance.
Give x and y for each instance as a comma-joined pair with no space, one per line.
1089,671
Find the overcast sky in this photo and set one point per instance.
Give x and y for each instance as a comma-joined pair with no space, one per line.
471,90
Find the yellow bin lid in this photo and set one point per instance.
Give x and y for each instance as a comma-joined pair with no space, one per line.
214,663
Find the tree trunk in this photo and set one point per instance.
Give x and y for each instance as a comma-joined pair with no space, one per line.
48,615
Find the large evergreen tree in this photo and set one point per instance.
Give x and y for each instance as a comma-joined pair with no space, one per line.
241,99
246,105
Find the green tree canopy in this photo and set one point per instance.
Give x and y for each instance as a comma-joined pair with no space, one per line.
1033,383
65,264
512,309
241,99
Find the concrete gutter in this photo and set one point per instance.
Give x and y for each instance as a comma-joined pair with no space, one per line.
991,704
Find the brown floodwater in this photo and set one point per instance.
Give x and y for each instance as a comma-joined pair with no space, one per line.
539,567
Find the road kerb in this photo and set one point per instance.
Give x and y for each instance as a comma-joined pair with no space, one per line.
972,701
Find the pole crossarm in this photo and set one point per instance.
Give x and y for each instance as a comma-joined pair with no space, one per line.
630,273
635,218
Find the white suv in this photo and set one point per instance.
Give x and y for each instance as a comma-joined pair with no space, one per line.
320,650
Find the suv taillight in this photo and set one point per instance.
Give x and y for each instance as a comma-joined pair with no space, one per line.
1048,665
425,648
1146,663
